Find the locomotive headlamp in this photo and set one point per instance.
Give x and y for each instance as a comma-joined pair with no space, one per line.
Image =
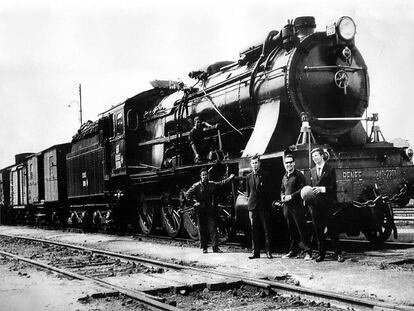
346,28
409,152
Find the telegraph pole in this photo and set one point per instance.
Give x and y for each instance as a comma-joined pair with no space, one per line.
80,104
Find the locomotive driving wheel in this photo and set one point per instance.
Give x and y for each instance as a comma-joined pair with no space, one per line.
384,224
171,217
146,217
191,223
223,224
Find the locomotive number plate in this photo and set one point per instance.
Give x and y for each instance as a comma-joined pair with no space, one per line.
386,174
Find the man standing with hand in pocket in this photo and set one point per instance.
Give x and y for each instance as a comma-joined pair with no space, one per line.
259,204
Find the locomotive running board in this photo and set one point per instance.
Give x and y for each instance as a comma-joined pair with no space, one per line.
267,119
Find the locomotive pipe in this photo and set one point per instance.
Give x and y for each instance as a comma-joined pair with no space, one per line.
273,35
374,118
343,119
220,114
336,67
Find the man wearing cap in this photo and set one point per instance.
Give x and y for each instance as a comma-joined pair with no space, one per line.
293,209
202,195
323,180
197,143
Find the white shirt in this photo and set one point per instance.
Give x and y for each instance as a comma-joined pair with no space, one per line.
319,169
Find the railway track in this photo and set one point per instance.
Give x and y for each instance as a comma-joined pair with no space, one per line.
362,241
152,277
349,243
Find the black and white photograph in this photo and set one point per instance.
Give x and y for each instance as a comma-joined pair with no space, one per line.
206,155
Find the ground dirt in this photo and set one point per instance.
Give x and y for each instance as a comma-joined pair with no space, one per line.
385,275
25,288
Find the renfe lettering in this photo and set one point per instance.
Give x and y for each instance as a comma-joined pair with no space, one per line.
352,175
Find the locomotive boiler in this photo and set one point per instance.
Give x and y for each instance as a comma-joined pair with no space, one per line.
298,89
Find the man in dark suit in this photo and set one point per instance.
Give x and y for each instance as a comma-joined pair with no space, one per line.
323,179
258,204
202,195
293,209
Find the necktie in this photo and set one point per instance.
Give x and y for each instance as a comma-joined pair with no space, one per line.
319,172
256,181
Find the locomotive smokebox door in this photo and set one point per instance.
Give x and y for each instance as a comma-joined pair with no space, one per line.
328,81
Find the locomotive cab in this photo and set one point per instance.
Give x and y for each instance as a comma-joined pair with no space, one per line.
117,142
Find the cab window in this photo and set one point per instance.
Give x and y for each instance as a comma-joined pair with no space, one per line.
119,124
132,120
31,171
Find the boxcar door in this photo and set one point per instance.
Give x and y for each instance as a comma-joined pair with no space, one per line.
50,167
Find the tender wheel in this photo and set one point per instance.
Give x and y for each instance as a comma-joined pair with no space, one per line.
55,218
146,217
191,223
86,220
96,220
19,217
109,222
384,220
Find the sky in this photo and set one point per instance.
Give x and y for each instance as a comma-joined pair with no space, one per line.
114,48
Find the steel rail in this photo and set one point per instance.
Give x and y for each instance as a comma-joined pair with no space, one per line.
184,240
142,297
356,302
236,244
386,243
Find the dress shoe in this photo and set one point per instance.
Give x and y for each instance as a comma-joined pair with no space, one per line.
340,258
217,250
269,255
308,256
290,255
320,258
254,256
204,250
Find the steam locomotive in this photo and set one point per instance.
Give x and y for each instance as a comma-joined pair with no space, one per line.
297,90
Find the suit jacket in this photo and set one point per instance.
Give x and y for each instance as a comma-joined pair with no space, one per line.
259,191
327,179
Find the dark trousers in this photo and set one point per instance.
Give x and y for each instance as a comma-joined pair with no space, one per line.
295,216
259,219
321,210
207,225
